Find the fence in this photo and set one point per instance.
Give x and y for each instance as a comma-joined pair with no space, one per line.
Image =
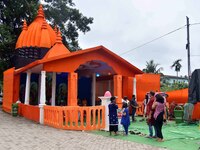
28,111
75,117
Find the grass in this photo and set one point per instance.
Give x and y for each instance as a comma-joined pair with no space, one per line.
176,136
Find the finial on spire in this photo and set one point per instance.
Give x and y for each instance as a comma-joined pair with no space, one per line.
40,11
59,37
25,25
44,24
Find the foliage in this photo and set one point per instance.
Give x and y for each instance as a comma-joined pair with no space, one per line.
1,86
33,93
167,86
62,94
176,64
69,19
13,12
151,67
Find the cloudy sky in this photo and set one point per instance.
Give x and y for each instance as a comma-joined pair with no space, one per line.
123,25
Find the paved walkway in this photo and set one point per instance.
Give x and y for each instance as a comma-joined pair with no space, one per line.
17,133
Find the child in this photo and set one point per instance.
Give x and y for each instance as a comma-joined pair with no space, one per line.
125,118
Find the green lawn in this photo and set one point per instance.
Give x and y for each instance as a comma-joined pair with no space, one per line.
176,136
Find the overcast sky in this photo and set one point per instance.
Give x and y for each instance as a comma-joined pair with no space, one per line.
122,25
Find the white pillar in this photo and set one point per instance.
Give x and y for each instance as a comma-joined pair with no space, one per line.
43,88
93,88
134,86
28,83
42,96
53,94
105,101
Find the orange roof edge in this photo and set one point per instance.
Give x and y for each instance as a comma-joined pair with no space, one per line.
94,49
29,66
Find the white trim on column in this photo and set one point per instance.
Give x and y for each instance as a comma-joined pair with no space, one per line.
43,88
27,92
134,86
42,96
53,94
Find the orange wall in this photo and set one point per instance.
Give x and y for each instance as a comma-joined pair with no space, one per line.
118,89
146,83
178,96
8,89
127,89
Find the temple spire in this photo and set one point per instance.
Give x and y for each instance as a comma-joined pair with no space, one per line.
59,38
40,11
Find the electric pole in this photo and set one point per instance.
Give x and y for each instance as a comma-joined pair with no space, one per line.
188,48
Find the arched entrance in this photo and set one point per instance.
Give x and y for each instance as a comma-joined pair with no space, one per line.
94,78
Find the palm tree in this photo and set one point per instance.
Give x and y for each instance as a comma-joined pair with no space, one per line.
177,66
151,67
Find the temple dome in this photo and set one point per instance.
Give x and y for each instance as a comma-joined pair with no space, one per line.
38,34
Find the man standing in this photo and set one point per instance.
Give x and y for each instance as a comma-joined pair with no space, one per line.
134,105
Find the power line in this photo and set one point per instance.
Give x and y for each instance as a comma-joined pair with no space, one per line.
195,24
154,40
194,55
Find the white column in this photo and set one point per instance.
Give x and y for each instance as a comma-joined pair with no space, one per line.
43,88
105,101
42,96
134,86
53,94
28,83
93,88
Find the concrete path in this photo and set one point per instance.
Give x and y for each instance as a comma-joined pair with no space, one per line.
18,133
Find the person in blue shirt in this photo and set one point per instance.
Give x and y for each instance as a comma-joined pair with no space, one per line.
125,121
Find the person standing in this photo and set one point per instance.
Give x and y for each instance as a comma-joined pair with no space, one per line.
125,100
146,100
150,118
113,119
134,106
160,111
125,118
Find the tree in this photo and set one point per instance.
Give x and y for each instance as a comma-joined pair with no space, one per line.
177,66
151,67
69,19
12,13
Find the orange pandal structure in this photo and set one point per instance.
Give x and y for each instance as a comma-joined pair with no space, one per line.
75,117
146,83
178,96
181,97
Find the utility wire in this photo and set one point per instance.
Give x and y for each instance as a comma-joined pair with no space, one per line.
195,23
194,55
154,40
